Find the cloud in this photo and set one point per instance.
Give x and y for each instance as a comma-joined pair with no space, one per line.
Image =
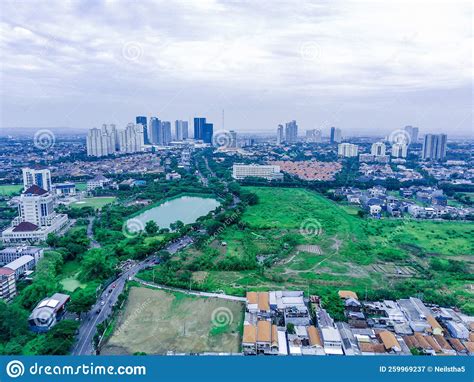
333,49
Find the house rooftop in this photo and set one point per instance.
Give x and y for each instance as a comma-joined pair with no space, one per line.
34,190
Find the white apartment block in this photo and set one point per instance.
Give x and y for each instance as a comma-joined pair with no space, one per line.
399,150
102,142
38,175
347,150
132,139
269,172
378,149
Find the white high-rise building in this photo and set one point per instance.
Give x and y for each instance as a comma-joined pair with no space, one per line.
399,150
378,148
280,135
291,132
314,136
102,142
41,176
434,147
347,150
181,130
132,139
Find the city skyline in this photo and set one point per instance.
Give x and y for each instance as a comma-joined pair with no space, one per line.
325,64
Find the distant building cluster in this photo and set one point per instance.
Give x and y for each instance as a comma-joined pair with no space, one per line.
285,323
108,140
434,147
415,201
136,137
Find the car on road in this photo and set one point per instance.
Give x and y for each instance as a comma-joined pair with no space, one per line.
102,303
114,285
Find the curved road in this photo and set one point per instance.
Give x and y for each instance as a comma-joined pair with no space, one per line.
102,309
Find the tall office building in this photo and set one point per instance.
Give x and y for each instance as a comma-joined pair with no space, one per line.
233,139
181,130
314,136
143,121
412,133
102,142
336,135
291,132
280,135
399,150
347,150
203,130
154,131
378,148
434,147
41,176
165,137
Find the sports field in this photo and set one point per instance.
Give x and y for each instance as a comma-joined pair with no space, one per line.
10,189
158,322
96,202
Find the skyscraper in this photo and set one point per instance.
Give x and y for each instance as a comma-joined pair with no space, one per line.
102,142
412,133
291,132
143,121
165,137
280,135
434,147
181,130
154,131
233,139
132,139
203,130
378,148
336,135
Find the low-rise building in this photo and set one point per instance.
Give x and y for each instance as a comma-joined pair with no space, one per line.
7,284
269,172
48,312
9,254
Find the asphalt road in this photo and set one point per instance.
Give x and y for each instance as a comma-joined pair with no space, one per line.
103,307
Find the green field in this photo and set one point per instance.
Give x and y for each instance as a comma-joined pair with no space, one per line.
81,186
96,202
10,189
156,322
347,251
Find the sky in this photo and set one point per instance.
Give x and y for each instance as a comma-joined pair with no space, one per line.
367,67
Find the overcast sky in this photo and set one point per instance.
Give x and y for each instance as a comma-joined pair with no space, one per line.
366,67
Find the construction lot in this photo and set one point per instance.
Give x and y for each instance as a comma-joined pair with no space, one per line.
159,322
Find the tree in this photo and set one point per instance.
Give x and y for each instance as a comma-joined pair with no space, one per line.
151,228
82,300
97,265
